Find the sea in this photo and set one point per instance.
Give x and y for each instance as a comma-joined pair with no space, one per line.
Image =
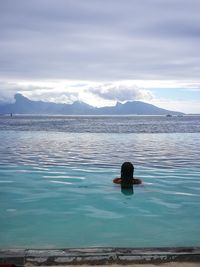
56,188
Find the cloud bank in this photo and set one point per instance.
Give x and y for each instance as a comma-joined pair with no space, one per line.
68,93
100,40
120,93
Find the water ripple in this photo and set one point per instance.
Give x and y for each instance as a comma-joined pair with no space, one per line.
60,182
57,187
65,177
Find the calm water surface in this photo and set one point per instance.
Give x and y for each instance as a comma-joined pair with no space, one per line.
56,184
102,124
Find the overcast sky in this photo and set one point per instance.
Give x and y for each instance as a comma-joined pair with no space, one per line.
102,51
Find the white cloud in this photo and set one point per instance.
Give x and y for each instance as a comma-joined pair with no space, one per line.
105,94
120,92
8,90
97,94
56,91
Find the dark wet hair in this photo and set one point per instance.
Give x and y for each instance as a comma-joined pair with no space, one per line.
127,170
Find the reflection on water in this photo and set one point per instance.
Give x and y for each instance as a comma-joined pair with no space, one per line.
127,191
44,149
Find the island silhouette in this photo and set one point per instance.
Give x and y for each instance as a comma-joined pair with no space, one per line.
23,105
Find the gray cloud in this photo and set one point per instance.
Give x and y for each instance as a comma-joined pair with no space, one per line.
33,92
99,40
54,96
9,89
120,93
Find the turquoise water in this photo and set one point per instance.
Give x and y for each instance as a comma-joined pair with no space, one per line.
56,190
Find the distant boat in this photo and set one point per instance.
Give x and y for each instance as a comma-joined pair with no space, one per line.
168,115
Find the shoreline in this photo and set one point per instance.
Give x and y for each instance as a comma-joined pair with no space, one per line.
101,256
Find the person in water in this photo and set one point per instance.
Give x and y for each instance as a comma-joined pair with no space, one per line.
127,180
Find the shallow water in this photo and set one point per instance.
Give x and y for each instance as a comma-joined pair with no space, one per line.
56,189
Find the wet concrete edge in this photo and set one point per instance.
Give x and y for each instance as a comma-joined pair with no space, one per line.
99,256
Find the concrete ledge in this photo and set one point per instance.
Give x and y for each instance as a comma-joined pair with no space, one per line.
98,256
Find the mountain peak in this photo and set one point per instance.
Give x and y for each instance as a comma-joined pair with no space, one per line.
24,105
78,102
19,97
118,104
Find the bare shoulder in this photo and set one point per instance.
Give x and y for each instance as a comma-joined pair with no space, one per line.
117,181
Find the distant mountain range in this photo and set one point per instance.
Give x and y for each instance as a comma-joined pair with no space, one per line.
24,105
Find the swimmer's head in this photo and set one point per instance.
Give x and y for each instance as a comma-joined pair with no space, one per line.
127,170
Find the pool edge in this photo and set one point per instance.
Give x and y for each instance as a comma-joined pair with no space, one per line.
99,255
